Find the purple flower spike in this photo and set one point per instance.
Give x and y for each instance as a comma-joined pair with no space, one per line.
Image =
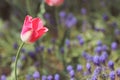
69,68
114,45
88,66
49,50
104,48
57,77
79,37
50,77
103,57
96,60
117,32
67,42
86,55
94,78
44,77
28,77
23,57
118,72
70,20
98,49
97,71
81,41
62,14
3,77
99,43
53,40
15,46
62,51
79,67
72,73
105,17
47,16
111,65
36,75
39,49
83,11
112,75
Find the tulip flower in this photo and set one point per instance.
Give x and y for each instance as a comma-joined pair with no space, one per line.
54,2
32,29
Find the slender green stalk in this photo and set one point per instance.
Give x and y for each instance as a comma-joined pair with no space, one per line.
42,11
16,59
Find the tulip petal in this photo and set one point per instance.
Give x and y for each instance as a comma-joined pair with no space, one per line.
27,24
38,34
37,24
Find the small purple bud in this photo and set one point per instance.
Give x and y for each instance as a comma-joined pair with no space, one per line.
86,73
47,16
37,64
83,11
111,65
118,72
62,50
49,50
114,45
3,77
117,32
28,77
70,21
112,75
105,17
23,57
96,60
72,73
36,75
39,49
23,50
67,42
53,40
84,54
103,57
90,58
104,48
99,43
44,77
79,37
15,46
94,78
98,49
62,14
50,77
79,67
57,77
69,68
88,66
97,71
114,24
72,78
32,54
81,41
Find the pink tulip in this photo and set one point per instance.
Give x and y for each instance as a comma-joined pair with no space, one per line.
54,2
32,29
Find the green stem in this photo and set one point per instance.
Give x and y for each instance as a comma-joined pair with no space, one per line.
42,11
16,60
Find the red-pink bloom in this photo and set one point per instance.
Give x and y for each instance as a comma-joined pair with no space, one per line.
54,2
32,29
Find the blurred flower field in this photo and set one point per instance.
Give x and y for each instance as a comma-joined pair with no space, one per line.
82,42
